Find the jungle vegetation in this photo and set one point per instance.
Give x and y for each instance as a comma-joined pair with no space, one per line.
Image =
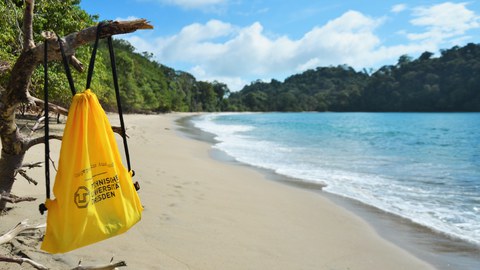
449,82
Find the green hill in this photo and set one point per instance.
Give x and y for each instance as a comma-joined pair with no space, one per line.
448,83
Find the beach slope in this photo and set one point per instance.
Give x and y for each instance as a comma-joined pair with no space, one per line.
201,213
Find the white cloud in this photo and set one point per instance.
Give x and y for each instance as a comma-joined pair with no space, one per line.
224,52
398,8
129,18
191,4
237,55
443,21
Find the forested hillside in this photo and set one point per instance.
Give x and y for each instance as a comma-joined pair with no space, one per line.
148,86
450,82
145,85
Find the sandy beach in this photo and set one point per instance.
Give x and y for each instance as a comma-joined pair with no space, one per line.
201,213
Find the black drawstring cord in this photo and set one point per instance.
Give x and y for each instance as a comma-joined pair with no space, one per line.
117,92
66,66
92,58
119,106
42,208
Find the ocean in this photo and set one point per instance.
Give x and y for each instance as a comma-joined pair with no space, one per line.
424,167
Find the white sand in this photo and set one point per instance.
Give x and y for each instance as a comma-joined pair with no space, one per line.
205,214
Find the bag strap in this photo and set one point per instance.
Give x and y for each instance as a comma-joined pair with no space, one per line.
66,66
117,91
119,103
92,58
47,127
42,208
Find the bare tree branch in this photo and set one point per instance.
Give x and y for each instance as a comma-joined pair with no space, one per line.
28,26
32,165
109,266
15,199
19,83
87,35
21,261
54,108
53,164
11,234
40,140
19,228
76,63
36,126
24,174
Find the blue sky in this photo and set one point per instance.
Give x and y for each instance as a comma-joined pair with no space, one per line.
239,41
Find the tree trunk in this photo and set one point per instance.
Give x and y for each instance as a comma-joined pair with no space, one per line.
8,165
12,155
14,146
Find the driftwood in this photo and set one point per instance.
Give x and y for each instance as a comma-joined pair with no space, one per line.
52,107
28,178
32,165
19,228
20,261
109,266
8,197
24,226
14,232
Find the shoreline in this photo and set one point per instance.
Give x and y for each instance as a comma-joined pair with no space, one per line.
442,251
202,213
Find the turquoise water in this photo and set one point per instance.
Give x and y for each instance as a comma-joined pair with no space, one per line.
422,166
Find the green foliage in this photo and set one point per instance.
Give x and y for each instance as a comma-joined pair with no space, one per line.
332,88
447,83
145,85
62,17
450,82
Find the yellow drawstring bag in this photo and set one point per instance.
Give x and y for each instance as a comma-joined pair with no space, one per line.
94,194
95,197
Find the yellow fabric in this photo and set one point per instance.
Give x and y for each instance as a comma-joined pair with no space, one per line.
94,195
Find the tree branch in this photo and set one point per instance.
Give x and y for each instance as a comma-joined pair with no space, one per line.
28,26
76,63
25,175
32,165
21,261
11,234
87,35
19,83
19,228
37,125
40,140
15,199
54,108
109,266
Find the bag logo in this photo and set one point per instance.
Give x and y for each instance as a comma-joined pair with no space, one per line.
82,197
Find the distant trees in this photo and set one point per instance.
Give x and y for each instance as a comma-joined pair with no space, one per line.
148,86
325,88
450,82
